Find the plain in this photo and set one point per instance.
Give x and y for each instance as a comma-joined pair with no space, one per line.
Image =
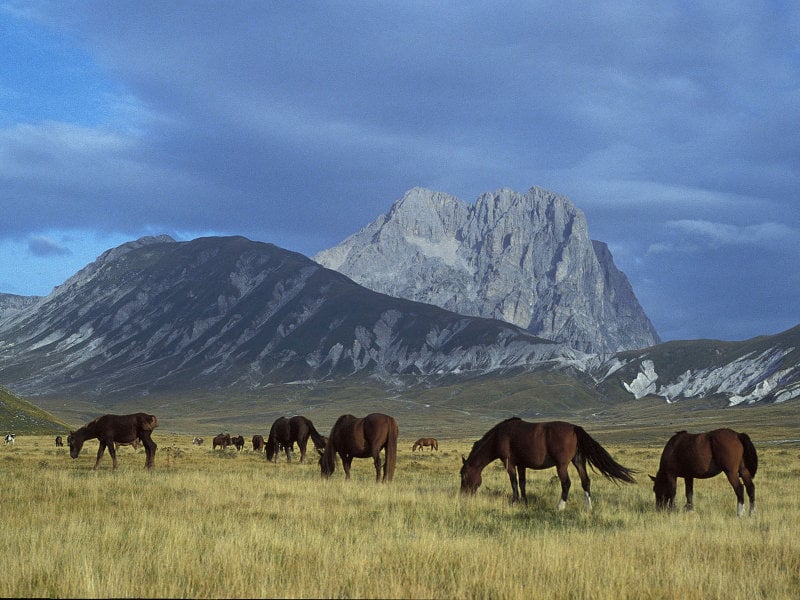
225,524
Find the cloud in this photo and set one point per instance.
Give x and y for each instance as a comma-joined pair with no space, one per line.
771,235
44,246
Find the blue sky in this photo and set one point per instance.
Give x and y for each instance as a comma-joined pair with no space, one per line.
673,126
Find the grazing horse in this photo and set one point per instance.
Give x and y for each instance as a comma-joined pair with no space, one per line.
361,438
285,432
198,441
109,429
238,441
422,442
10,437
704,455
59,442
522,445
222,440
258,443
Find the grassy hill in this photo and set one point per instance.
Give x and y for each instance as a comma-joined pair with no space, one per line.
21,417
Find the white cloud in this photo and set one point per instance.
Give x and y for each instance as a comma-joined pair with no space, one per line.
724,234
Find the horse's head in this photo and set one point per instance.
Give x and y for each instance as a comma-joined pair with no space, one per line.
470,477
664,489
75,445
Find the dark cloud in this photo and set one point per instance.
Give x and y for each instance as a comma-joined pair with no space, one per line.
42,246
671,126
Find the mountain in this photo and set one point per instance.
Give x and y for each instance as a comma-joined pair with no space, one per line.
11,304
523,258
763,369
156,315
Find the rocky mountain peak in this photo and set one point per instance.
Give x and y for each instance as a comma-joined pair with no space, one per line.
524,258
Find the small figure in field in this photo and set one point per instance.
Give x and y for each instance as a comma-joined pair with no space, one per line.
421,443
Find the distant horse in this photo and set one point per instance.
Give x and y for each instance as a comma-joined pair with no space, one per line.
704,455
285,432
10,437
522,445
422,442
258,443
361,438
59,442
222,440
238,441
198,441
109,429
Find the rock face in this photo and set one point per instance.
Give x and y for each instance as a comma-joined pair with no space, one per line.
11,304
523,258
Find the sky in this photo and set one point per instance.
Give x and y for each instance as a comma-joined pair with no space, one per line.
673,126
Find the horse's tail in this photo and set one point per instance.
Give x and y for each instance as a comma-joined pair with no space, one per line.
600,460
391,449
750,454
316,437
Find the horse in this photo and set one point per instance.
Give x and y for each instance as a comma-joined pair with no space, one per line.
109,429
285,432
238,441
222,440
522,445
705,455
258,443
59,442
10,437
198,441
422,442
352,437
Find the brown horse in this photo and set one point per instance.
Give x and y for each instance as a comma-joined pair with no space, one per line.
238,441
258,443
522,445
223,440
59,442
110,429
422,442
285,432
362,438
704,455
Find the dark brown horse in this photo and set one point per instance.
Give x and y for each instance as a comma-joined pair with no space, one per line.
423,442
522,445
258,443
238,441
704,455
223,440
110,429
285,432
362,438
59,442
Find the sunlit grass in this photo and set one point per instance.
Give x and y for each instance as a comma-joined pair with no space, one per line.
208,523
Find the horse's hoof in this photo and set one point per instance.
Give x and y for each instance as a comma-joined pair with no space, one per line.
562,505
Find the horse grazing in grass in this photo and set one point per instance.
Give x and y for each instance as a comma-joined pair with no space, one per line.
285,432
422,442
522,445
59,442
110,429
352,437
223,440
238,441
704,455
258,443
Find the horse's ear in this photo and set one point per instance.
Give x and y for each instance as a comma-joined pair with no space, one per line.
463,460
653,479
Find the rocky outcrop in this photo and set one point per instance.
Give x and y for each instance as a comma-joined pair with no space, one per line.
523,258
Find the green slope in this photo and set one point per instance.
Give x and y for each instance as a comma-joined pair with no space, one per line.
21,417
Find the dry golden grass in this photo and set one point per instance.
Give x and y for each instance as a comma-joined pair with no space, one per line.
227,524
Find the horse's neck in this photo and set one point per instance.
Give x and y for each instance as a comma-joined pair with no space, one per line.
482,455
84,434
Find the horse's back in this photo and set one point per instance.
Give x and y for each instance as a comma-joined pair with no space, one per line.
702,455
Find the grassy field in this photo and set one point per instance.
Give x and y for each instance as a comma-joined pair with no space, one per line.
220,524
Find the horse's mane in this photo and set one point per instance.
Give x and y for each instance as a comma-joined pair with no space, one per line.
491,433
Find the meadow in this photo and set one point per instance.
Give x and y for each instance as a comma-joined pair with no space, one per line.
228,524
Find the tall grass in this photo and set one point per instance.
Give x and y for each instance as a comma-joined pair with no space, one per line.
209,523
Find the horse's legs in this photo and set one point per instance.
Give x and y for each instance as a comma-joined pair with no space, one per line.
586,483
733,478
302,444
563,475
750,487
111,451
689,493
346,460
521,475
376,459
512,475
149,450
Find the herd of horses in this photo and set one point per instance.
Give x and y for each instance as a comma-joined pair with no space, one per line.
518,444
